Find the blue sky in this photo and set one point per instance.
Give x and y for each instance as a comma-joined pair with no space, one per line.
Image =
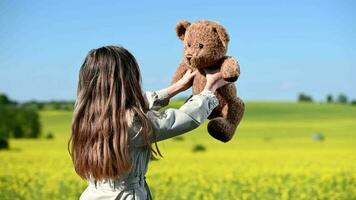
283,47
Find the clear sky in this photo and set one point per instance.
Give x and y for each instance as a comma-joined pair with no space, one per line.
283,47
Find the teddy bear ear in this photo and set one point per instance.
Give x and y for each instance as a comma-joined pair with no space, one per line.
181,27
224,37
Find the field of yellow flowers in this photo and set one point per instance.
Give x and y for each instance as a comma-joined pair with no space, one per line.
274,155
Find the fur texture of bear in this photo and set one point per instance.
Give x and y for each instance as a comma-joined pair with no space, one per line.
205,46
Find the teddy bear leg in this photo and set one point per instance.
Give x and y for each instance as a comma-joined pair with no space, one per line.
223,128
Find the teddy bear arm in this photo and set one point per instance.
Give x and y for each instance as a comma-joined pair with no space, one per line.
230,69
179,73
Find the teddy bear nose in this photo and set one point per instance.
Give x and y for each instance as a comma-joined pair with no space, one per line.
189,56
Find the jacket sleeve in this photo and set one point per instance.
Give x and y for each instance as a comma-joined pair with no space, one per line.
173,122
157,99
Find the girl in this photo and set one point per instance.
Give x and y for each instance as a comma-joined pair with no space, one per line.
115,124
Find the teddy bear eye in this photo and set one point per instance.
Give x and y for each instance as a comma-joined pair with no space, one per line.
201,46
189,45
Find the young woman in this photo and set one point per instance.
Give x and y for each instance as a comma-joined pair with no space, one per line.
115,123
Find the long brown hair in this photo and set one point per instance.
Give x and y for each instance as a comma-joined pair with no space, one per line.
109,86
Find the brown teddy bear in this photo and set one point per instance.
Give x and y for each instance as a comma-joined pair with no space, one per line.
205,45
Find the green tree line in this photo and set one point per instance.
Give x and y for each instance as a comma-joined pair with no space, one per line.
341,99
49,105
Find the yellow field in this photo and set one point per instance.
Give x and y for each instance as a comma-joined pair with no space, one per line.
272,156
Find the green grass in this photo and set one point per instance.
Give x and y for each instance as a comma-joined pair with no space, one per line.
272,156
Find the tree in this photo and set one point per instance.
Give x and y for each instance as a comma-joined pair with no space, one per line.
304,98
4,128
4,100
19,122
353,102
34,105
329,98
4,143
27,123
342,98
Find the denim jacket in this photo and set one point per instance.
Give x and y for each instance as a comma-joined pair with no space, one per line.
165,124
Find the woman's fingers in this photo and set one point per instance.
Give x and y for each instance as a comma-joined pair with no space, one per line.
217,75
221,82
214,77
194,73
190,73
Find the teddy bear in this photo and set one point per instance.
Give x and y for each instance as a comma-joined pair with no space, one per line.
205,46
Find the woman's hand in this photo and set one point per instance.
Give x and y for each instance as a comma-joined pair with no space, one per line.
214,80
183,84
